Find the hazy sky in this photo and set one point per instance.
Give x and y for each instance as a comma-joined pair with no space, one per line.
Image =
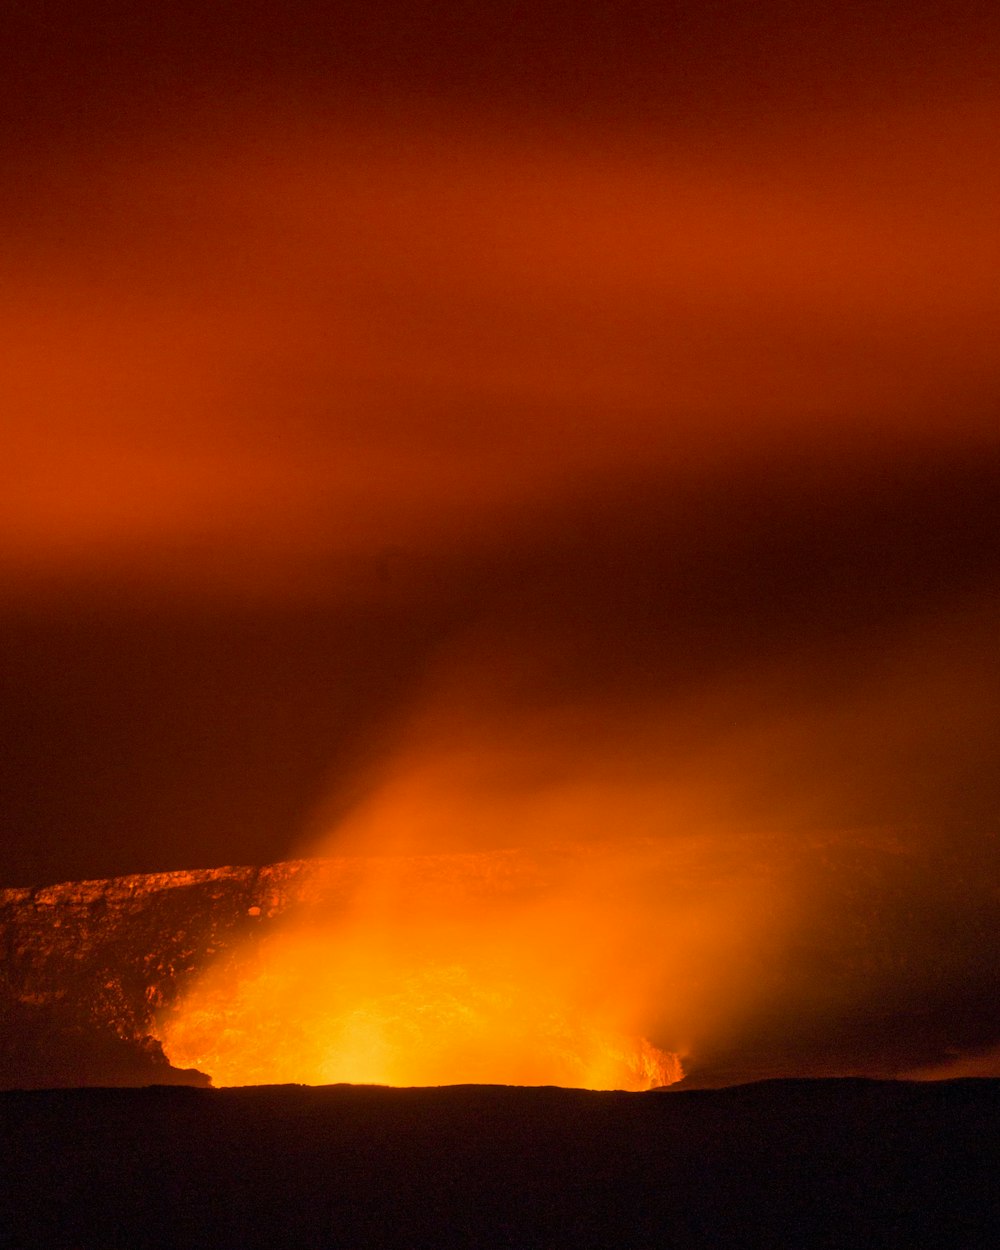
611,390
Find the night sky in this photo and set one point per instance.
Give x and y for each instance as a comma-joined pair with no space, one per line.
612,390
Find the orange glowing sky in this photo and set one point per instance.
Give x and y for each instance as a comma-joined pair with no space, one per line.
268,350
452,424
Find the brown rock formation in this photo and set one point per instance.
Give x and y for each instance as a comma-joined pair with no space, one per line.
85,964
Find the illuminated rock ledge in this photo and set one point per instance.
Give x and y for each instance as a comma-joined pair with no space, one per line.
85,964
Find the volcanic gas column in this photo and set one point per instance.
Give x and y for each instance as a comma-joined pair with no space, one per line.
426,970
574,960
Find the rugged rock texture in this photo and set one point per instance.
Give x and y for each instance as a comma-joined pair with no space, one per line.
84,965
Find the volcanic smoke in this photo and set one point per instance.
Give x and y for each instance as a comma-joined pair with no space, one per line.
579,893
613,515
449,955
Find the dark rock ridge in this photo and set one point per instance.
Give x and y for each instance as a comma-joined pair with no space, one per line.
784,1165
85,965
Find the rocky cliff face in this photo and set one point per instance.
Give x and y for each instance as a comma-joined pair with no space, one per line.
84,966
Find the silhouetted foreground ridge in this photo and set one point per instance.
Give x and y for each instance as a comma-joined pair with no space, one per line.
837,1163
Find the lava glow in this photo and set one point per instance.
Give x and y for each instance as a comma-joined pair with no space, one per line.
639,919
317,1010
540,968
429,970
429,953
